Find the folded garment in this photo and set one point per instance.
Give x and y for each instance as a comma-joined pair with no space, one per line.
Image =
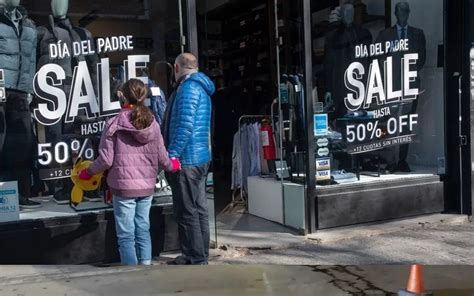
361,114
333,135
343,177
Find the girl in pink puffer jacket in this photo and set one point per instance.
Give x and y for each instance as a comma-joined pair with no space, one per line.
132,150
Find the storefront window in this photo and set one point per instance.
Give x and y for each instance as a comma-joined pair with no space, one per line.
379,90
61,63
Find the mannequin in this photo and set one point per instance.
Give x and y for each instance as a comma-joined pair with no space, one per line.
60,8
60,28
359,7
402,30
339,54
417,44
18,61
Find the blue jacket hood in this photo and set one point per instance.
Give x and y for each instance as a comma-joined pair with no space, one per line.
204,81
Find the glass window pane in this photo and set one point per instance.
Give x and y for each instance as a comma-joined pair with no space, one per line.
62,72
379,78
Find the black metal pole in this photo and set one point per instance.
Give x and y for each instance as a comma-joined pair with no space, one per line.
311,199
191,24
470,189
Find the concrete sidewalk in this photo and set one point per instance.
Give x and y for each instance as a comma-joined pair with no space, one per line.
386,227
444,244
238,230
229,280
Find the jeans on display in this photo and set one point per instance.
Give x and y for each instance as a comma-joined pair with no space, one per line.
132,223
17,151
191,212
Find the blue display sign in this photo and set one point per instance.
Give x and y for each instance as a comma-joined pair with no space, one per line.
320,125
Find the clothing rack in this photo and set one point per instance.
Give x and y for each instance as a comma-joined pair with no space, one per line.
242,200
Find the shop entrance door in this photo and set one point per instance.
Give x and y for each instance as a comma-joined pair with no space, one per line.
459,81
248,47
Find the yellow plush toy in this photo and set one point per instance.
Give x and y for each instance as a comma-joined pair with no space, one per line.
80,186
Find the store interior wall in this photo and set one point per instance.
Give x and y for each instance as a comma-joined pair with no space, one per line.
205,6
375,7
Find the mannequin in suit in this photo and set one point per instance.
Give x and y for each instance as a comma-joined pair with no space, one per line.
417,44
402,30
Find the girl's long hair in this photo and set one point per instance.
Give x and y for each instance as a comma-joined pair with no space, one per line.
135,91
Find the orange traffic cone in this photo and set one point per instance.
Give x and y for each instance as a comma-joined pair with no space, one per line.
415,282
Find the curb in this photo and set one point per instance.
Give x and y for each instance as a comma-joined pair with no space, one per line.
66,275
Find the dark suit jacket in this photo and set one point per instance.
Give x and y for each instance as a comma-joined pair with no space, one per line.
416,44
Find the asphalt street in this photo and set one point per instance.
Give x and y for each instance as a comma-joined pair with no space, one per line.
229,280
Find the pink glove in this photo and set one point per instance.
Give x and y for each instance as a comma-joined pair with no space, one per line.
176,164
84,175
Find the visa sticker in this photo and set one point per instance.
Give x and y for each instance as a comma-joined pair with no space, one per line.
323,175
323,164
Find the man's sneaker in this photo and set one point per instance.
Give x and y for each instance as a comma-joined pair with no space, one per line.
29,204
180,260
61,197
93,196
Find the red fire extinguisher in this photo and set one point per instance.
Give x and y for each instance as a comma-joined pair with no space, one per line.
268,143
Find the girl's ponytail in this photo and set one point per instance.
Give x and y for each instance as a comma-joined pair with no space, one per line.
135,91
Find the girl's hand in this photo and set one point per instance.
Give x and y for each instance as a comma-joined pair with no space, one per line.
176,164
84,175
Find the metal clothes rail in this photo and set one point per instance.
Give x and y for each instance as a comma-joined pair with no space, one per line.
242,199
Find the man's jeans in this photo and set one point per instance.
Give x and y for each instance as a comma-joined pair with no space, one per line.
132,223
191,212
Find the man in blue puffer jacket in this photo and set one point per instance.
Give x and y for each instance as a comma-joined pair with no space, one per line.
187,135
